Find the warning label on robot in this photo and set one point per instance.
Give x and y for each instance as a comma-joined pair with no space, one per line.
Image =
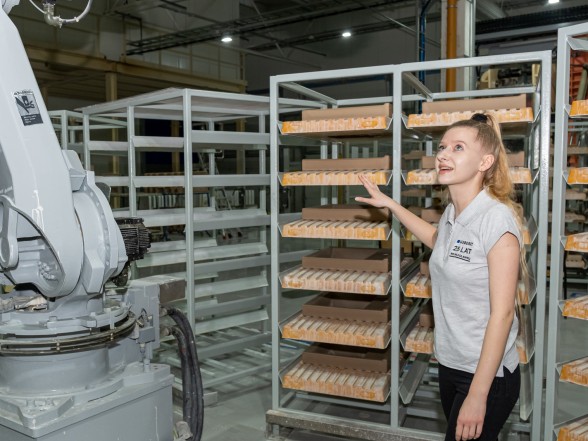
27,107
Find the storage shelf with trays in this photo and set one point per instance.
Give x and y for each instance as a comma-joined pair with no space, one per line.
404,382
563,313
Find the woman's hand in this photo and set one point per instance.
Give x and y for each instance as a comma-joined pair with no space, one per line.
471,418
377,199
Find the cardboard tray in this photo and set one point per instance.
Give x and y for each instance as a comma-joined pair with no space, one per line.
346,212
348,307
426,317
348,112
384,163
353,259
348,357
461,105
432,214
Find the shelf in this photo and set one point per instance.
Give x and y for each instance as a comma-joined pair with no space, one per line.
579,108
511,120
350,383
357,230
338,128
356,282
418,286
576,308
525,353
214,252
519,175
334,177
571,218
577,175
576,242
410,381
337,331
572,430
419,340
575,372
572,195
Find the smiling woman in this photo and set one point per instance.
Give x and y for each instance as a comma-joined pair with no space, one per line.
474,271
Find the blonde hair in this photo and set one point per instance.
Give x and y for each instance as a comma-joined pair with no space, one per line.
497,180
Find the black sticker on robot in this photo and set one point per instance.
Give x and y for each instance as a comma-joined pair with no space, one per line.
27,107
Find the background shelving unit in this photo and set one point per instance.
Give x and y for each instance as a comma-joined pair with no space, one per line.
412,382
193,165
562,347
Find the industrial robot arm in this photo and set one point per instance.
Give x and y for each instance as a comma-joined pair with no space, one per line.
57,232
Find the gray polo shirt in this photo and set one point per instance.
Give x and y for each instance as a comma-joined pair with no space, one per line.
459,276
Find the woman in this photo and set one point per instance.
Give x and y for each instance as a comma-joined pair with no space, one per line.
474,271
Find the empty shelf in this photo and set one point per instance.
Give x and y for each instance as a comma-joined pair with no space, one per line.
337,230
335,177
337,281
337,331
363,385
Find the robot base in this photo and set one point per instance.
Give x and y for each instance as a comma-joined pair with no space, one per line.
138,410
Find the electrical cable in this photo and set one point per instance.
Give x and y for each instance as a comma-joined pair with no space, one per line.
187,384
197,390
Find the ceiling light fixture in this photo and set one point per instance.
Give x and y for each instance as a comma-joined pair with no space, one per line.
346,34
552,2
227,39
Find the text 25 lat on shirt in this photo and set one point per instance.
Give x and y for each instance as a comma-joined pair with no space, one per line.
462,250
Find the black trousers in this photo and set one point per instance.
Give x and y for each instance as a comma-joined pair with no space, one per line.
504,393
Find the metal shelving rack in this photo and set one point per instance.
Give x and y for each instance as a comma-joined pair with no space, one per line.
227,298
367,420
558,350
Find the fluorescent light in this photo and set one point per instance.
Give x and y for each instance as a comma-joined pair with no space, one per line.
227,39
551,2
346,34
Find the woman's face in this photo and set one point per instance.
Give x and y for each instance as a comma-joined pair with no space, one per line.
460,157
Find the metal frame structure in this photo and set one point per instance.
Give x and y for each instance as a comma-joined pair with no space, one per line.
230,313
286,412
566,43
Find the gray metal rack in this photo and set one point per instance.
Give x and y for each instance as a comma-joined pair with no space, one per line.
227,297
559,350
412,391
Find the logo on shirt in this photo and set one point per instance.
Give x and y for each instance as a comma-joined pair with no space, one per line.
462,250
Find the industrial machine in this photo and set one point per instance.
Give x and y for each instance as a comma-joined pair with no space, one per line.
74,357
